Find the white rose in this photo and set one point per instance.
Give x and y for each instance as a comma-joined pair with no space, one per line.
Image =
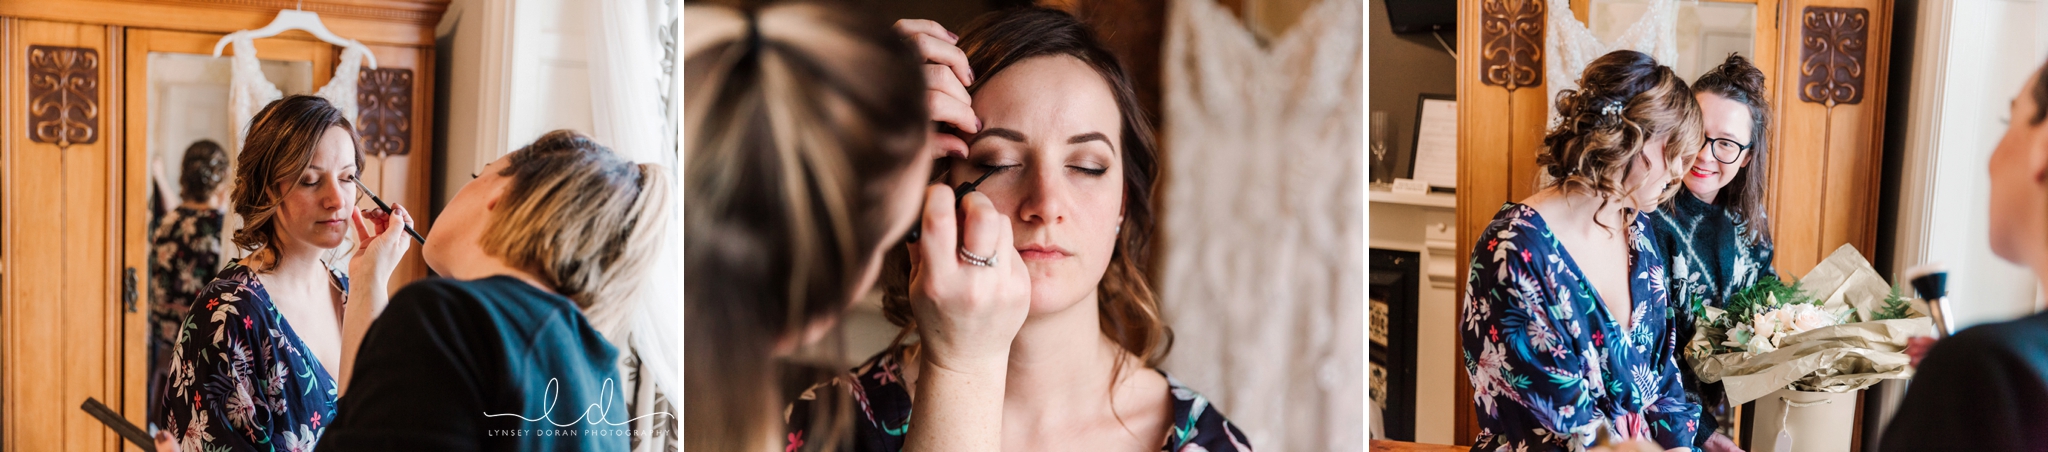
1810,317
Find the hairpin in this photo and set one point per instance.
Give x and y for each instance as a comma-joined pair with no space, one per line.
1611,109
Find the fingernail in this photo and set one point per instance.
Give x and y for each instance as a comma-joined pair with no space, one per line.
955,37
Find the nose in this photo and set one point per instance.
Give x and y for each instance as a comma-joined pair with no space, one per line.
1046,197
337,194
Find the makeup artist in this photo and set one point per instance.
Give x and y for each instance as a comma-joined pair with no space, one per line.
1986,387
808,155
257,361
1566,331
1713,234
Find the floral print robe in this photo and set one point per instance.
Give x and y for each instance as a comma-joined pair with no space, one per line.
884,413
240,379
1549,366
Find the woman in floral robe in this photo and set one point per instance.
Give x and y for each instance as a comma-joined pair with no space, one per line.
1566,325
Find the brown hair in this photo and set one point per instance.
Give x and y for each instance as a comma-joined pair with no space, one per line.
1737,80
1129,310
579,217
201,171
1593,146
2040,92
279,145
801,126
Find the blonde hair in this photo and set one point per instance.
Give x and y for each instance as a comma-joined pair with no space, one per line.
279,145
582,219
1624,100
800,126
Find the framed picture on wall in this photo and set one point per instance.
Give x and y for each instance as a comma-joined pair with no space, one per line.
1436,142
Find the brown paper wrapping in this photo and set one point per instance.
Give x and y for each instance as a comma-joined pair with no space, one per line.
1840,358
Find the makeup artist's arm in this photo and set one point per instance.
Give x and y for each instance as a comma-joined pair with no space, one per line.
967,316
383,244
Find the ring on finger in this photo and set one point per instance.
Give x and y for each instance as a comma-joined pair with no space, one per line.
976,260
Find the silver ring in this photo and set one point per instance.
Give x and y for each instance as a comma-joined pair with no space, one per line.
974,260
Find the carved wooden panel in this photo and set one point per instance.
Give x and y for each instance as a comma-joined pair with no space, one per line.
1834,47
384,97
1511,43
63,95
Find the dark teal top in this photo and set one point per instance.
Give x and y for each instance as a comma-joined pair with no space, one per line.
489,364
1983,389
1707,260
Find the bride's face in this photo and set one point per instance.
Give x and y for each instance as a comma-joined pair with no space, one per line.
1052,126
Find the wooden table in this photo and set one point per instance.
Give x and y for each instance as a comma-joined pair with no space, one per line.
1381,445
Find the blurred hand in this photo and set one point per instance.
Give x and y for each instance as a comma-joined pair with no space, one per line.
383,243
164,442
1721,443
1916,348
946,78
967,315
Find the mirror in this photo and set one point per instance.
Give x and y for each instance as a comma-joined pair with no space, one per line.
1707,30
188,115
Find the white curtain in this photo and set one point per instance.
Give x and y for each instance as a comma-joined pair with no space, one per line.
1263,243
632,56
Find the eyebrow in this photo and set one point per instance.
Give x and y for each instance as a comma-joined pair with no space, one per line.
997,132
318,168
1091,136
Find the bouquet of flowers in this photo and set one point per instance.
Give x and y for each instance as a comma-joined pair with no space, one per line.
1840,329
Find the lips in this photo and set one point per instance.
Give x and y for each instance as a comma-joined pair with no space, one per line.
1703,174
1043,252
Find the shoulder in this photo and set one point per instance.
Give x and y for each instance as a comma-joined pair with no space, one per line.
1517,234
1198,424
502,303
1994,344
235,290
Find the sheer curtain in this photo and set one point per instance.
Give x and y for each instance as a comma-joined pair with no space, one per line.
632,60
1262,258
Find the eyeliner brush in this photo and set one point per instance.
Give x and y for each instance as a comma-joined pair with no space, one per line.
959,193
387,211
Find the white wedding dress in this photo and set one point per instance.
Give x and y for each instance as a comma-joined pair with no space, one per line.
249,92
1262,241
1571,46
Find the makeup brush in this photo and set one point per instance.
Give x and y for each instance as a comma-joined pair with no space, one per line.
387,211
1931,281
959,193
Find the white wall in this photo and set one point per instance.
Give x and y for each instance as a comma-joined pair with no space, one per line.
1970,64
513,86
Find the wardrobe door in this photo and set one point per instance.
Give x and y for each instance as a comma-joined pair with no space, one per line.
62,310
394,125
1830,103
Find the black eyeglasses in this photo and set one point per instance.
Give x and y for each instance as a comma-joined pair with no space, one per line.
1726,150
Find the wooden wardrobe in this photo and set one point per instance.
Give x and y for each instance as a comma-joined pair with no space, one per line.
74,182
1825,63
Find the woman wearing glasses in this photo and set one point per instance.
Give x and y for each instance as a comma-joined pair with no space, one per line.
1714,234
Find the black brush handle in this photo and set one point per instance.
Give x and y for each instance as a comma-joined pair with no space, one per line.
120,426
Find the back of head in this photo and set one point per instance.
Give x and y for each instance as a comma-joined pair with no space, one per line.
280,144
1737,80
200,173
582,219
800,121
1625,99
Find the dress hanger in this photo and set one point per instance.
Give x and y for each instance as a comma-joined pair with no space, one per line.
296,19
